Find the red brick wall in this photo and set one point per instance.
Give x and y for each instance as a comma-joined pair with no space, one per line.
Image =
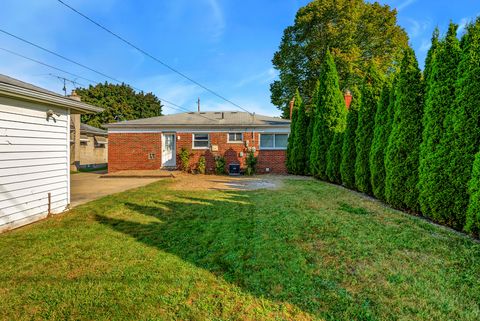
130,151
274,160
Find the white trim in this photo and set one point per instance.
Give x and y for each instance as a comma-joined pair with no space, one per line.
275,130
174,149
193,141
68,157
274,142
234,141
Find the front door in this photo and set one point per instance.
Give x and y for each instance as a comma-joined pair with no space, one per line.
168,150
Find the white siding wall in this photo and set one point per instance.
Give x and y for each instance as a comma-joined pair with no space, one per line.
33,162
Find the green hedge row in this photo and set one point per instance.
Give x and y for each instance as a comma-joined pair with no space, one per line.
409,138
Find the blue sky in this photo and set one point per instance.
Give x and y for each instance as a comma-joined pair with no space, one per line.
225,44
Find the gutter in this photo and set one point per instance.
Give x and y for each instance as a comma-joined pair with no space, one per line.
11,91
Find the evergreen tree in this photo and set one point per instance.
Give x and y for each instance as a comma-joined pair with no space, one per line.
299,157
383,126
349,153
334,158
371,90
402,154
311,123
439,99
460,142
291,138
430,56
330,118
472,224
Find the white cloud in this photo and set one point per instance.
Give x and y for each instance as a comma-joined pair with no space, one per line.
218,20
262,78
418,28
405,4
426,44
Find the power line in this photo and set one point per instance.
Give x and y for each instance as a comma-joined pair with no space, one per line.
45,64
152,57
175,106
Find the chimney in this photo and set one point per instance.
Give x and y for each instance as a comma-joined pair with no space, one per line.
74,96
347,95
292,102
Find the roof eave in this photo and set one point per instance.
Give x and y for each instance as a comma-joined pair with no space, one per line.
44,98
116,125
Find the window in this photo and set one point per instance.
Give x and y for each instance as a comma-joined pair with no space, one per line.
273,141
235,137
201,141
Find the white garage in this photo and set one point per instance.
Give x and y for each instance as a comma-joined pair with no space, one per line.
34,151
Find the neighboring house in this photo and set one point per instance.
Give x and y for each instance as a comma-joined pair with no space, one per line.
89,149
155,143
34,151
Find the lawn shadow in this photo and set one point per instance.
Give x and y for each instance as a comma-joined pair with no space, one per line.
246,245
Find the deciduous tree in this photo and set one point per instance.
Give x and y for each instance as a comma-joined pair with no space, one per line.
357,32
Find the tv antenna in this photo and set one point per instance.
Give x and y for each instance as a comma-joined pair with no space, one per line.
65,80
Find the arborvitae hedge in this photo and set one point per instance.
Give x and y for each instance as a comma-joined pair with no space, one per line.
383,126
371,89
439,100
347,165
334,158
291,139
300,138
311,123
402,154
330,118
472,224
463,131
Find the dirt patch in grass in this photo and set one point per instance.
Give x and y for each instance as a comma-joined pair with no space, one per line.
189,182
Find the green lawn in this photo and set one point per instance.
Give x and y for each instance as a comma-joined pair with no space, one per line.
308,251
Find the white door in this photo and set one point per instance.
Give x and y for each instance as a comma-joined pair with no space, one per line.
168,150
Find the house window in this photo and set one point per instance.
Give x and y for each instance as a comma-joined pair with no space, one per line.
235,137
201,141
273,141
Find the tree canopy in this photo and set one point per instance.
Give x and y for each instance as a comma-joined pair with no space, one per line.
120,102
357,33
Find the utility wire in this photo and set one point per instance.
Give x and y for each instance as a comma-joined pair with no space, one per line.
152,57
45,64
83,66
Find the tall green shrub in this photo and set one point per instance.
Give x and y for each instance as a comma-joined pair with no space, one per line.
330,118
402,154
312,110
291,138
371,90
334,158
349,153
462,135
383,126
299,156
439,100
472,224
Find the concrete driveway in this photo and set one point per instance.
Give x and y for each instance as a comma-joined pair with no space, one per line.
86,187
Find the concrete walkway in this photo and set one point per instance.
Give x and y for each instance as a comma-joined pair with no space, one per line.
86,187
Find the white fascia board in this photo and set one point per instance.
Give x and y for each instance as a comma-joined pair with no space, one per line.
11,91
199,130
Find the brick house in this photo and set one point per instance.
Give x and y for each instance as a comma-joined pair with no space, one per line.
155,143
